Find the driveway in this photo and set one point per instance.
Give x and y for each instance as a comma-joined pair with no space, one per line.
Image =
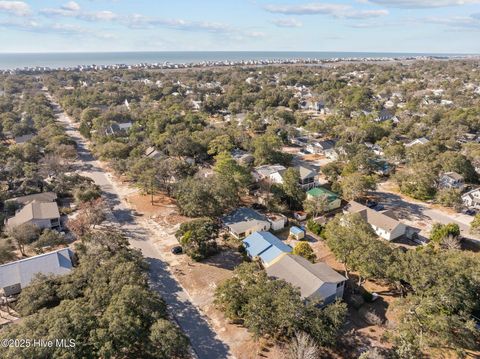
203,339
420,214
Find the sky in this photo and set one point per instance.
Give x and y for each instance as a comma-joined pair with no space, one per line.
420,26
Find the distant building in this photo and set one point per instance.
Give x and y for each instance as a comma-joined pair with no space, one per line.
41,214
270,173
297,233
384,115
317,282
152,152
118,128
383,223
418,141
451,180
17,275
20,140
244,221
265,246
308,177
242,157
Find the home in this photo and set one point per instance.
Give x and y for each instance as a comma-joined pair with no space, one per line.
244,221
277,221
265,246
317,105
384,115
301,141
383,223
20,140
17,275
41,214
300,215
297,233
471,199
242,157
152,152
317,282
333,200
417,141
451,180
308,177
37,197
118,128
270,173
320,147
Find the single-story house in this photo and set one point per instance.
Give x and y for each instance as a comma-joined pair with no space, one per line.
300,215
451,180
242,157
383,223
384,115
334,200
118,128
271,173
297,233
20,140
471,199
152,152
41,214
418,141
37,197
17,275
265,246
244,221
320,146
316,281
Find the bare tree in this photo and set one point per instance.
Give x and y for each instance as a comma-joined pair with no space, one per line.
302,346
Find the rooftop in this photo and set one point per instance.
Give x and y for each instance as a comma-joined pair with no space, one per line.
320,191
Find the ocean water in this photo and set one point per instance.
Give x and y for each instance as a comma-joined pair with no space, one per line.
56,60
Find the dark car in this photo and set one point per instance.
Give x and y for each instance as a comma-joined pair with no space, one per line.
371,204
379,207
470,212
177,250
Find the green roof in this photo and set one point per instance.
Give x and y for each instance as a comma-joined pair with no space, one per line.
320,191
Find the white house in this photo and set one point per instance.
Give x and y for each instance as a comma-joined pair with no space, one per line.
383,223
17,275
317,282
471,199
417,141
277,221
451,180
271,173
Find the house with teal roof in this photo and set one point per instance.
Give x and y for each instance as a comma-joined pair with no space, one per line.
333,199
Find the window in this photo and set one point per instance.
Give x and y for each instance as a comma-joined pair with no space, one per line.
340,284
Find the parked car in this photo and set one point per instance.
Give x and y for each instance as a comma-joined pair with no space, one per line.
371,203
470,212
177,250
379,207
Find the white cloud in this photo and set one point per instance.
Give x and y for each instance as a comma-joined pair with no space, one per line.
73,9
18,8
336,10
289,22
412,4
71,6
457,22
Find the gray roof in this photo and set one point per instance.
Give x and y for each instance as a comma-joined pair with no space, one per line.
301,273
35,210
38,197
242,219
454,175
267,170
377,219
23,139
305,172
58,262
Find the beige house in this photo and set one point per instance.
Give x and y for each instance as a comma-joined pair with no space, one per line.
316,281
41,214
383,223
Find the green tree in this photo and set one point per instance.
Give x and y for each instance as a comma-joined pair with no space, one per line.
316,205
304,250
6,251
229,170
356,186
475,224
198,237
219,145
449,197
292,189
24,235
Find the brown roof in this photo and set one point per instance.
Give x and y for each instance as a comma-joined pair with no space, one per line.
378,219
35,210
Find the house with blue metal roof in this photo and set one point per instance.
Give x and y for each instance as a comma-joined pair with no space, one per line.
265,246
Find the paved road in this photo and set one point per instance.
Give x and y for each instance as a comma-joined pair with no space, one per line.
420,212
203,339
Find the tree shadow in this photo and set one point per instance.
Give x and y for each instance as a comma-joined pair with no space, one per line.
203,339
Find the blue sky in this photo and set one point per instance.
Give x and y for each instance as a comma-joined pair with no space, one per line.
451,26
